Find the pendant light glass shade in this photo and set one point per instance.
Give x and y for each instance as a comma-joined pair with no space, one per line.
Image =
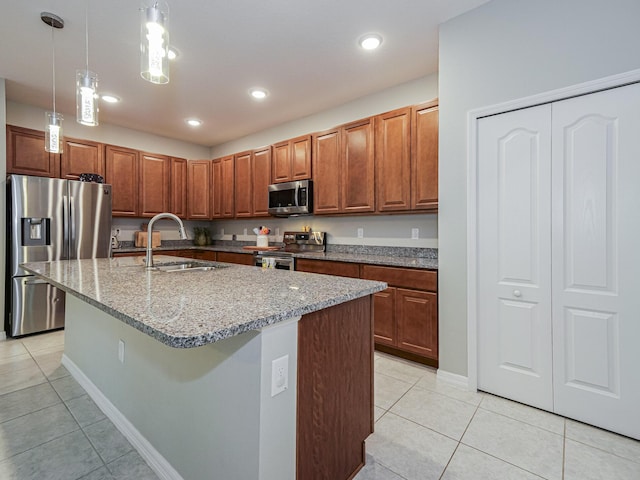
53,132
154,42
86,98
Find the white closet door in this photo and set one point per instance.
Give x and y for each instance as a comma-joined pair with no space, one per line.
514,251
596,258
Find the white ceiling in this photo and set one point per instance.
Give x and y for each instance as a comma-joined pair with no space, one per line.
303,51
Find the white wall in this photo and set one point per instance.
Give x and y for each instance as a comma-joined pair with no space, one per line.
415,91
3,200
502,51
32,117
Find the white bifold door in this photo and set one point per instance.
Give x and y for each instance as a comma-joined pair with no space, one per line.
558,257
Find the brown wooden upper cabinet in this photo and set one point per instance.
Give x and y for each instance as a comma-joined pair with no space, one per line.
291,160
407,158
393,160
343,165
243,184
155,174
252,178
178,188
424,156
198,189
122,172
358,167
261,169
327,153
223,188
26,154
81,156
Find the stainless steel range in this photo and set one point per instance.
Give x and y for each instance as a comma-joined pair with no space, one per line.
294,242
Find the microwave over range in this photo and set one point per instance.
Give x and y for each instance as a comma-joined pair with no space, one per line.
291,198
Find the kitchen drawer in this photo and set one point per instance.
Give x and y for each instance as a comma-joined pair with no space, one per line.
402,277
240,258
328,267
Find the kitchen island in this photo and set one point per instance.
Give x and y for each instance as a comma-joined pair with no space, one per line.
182,364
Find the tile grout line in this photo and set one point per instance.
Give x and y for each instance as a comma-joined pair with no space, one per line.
564,446
449,461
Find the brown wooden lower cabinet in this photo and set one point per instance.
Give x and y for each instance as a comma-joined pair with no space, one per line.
328,267
417,322
405,314
335,391
384,326
240,258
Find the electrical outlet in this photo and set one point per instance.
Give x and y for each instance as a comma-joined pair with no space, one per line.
245,232
222,232
279,375
277,232
360,232
121,351
415,233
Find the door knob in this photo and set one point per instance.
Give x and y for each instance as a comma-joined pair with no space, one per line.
517,293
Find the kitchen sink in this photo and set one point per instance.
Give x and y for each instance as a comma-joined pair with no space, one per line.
187,266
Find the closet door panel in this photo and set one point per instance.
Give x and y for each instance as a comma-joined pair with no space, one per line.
514,298
596,261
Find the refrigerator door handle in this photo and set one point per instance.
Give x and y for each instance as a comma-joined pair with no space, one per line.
35,282
72,229
65,227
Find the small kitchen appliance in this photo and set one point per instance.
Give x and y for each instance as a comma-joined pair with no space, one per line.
291,198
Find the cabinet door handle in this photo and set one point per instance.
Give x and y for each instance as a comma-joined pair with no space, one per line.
517,293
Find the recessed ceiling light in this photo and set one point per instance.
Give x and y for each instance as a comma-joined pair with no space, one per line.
370,41
258,93
173,53
110,98
194,122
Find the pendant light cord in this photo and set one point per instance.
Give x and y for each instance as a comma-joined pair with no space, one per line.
53,56
86,31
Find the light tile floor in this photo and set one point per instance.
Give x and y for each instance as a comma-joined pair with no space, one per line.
425,429
428,429
49,427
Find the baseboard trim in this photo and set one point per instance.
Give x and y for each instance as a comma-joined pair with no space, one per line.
156,461
453,378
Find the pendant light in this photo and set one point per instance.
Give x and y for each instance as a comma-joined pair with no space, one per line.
53,128
86,86
154,41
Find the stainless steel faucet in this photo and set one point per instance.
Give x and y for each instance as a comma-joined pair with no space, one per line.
183,235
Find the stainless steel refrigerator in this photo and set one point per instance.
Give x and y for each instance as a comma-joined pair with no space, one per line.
49,219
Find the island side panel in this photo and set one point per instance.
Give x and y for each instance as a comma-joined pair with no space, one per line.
200,408
335,390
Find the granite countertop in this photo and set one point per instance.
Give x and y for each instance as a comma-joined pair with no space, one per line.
386,256
194,308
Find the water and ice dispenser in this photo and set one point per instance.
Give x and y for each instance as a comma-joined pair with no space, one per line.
36,231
